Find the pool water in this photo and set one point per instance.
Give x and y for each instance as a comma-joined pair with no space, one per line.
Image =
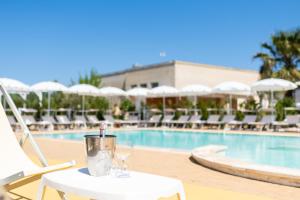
281,151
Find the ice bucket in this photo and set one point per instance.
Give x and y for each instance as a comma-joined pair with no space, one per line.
100,152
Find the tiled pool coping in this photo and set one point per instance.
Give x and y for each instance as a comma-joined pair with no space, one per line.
209,156
240,132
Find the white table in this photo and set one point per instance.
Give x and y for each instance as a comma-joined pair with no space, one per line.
138,186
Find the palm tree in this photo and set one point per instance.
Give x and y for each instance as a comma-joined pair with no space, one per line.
282,56
268,63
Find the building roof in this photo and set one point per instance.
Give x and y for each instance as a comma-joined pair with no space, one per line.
172,63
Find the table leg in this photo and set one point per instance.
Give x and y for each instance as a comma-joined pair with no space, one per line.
181,193
62,195
41,191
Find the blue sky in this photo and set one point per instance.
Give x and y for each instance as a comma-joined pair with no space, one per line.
47,40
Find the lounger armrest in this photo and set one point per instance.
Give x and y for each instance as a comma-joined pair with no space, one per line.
52,168
11,178
214,122
256,123
234,122
280,123
106,121
197,121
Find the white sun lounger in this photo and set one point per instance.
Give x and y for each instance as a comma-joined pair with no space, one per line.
93,121
80,121
63,121
264,123
132,120
55,123
235,124
196,121
182,120
292,120
166,120
289,121
16,168
35,125
228,121
213,120
50,119
15,125
110,121
154,120
248,119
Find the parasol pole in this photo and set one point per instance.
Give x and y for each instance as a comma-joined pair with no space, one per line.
164,102
49,103
195,105
82,107
272,107
230,104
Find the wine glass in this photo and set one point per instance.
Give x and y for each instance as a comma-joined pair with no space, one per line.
123,152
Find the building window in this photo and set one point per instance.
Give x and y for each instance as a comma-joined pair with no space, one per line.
133,86
154,84
144,85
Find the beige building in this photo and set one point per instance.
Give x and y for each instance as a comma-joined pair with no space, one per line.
177,74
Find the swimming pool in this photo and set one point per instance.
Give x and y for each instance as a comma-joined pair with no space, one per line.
281,151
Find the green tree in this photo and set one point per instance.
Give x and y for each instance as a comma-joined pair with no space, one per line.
93,78
32,101
281,56
18,100
75,101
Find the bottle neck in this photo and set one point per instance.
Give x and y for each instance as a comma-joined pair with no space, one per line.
101,132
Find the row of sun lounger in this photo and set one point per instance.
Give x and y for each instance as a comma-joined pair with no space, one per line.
227,121
57,122
80,121
184,121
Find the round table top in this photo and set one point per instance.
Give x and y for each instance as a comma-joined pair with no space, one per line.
136,186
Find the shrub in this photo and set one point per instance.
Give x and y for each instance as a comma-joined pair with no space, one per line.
127,105
281,104
239,115
202,106
250,104
184,103
177,114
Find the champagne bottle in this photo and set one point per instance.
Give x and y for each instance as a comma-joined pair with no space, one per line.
102,130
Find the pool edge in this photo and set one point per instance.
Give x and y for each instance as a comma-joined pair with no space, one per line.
208,156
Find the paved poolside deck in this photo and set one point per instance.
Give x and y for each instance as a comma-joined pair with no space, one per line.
200,182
